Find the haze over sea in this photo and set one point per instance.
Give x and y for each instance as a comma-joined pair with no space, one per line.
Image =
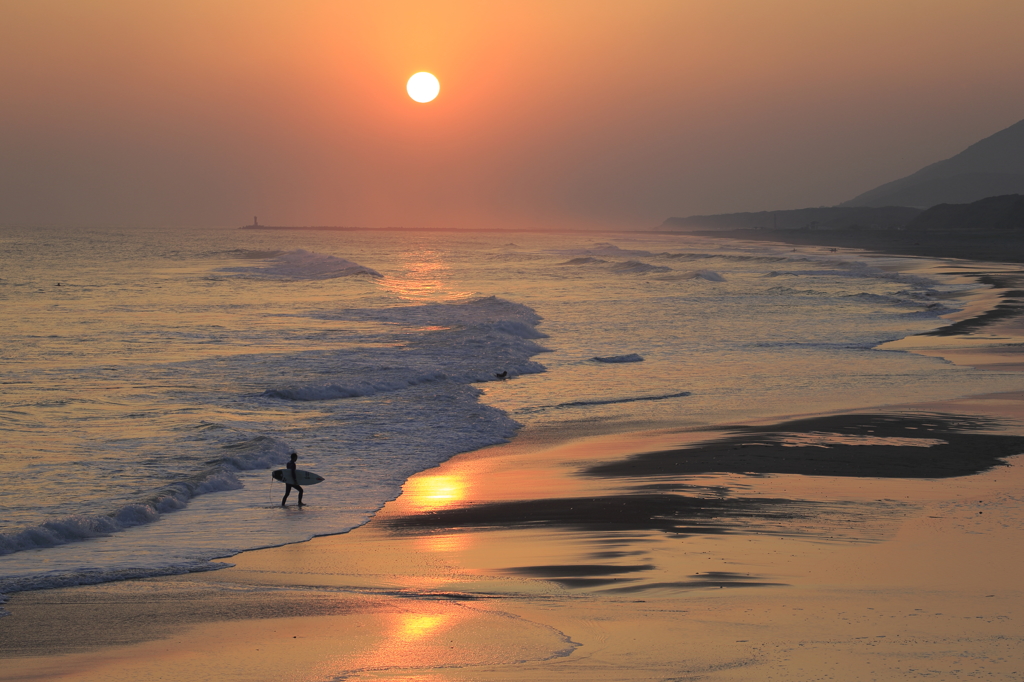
152,379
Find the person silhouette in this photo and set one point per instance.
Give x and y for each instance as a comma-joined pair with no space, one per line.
294,484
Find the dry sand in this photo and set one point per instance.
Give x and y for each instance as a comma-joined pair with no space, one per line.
878,545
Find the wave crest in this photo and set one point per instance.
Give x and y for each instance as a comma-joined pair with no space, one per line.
302,265
632,357
637,267
257,453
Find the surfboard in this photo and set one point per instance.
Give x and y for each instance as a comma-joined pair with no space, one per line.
305,477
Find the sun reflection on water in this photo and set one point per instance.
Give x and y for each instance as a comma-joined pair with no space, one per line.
449,542
426,493
412,627
427,277
418,639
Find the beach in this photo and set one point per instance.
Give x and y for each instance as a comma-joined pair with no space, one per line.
876,543
507,563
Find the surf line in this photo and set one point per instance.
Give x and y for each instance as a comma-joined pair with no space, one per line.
583,403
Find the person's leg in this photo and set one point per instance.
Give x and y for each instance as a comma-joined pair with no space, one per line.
287,489
299,488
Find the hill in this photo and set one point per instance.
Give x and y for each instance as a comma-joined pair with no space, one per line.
994,166
992,213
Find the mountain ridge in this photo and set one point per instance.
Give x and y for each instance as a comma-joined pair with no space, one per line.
992,166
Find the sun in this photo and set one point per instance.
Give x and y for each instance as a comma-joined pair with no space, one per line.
423,86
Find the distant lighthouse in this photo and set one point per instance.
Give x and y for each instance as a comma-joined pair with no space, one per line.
255,223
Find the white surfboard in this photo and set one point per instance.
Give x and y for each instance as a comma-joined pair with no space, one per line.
304,477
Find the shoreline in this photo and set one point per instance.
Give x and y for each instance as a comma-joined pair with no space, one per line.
441,582
610,531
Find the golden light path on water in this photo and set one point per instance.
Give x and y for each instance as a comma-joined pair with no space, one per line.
430,493
424,275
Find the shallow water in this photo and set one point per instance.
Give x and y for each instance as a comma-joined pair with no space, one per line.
146,398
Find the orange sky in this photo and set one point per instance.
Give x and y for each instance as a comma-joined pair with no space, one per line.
561,112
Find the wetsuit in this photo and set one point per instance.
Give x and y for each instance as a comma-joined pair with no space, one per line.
288,486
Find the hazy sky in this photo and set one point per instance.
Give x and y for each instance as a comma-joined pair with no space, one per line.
560,112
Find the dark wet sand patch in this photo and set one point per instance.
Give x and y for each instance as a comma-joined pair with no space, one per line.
719,579
844,445
676,515
891,445
566,570
601,575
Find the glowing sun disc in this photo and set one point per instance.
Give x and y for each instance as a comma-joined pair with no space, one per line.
423,86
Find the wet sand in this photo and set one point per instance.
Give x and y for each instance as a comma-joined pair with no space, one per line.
881,544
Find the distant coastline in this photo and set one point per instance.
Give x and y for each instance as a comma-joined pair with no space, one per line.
982,245
346,228
536,230
990,229
1000,246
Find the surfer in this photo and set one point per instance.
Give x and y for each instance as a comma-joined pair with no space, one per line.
288,486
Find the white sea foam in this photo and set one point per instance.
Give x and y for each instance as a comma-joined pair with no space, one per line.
335,392
461,343
479,311
260,452
46,580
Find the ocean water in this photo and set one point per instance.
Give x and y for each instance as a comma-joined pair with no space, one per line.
152,379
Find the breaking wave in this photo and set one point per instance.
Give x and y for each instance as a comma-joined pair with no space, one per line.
465,343
257,453
632,357
299,265
706,275
637,267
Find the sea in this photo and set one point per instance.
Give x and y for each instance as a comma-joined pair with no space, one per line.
151,379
